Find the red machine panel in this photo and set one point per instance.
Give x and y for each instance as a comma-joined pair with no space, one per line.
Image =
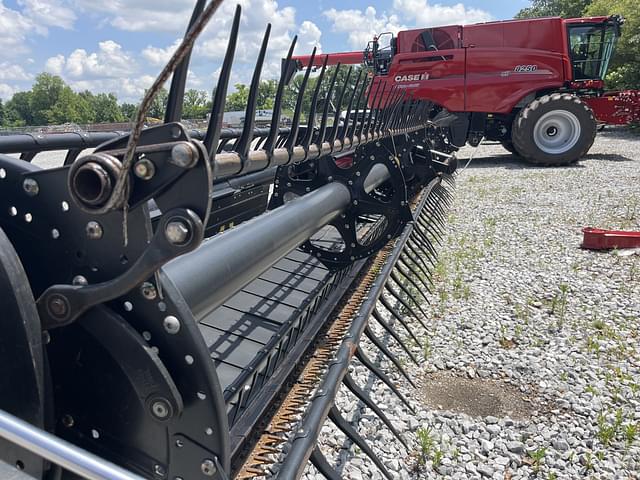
498,78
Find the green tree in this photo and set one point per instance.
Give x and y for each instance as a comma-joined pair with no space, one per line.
70,107
624,71
128,110
267,94
2,119
159,105
196,104
46,92
237,101
106,109
18,109
555,8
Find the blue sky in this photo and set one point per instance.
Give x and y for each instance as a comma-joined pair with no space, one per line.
120,45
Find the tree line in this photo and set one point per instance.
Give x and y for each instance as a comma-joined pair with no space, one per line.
52,102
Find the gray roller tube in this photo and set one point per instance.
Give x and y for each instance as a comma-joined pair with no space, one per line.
223,265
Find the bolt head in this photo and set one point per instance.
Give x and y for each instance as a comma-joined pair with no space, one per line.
58,306
177,232
161,409
144,169
159,470
184,155
30,187
171,324
148,291
80,280
208,467
68,421
94,230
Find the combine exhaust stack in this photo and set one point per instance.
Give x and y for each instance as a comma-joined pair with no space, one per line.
141,339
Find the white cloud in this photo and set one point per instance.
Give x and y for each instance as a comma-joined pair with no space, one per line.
109,69
12,72
309,36
48,12
110,61
6,91
143,15
55,65
16,29
160,56
423,13
360,26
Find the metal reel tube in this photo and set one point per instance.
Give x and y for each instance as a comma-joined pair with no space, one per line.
223,265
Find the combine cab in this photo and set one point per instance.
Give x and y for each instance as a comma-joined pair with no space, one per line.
536,86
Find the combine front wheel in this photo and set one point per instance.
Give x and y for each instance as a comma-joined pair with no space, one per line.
556,129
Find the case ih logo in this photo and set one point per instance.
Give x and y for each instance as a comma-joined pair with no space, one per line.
412,78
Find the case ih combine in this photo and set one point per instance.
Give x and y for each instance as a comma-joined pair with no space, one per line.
536,86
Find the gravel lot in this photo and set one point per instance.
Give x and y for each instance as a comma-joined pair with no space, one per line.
531,367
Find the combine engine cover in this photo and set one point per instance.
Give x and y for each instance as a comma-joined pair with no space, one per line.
177,303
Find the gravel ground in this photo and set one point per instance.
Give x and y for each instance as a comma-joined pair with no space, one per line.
531,365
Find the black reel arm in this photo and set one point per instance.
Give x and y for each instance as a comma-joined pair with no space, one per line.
378,210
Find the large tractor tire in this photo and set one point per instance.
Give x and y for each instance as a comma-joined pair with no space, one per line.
556,129
508,146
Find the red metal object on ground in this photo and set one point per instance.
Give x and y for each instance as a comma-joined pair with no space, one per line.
598,239
616,108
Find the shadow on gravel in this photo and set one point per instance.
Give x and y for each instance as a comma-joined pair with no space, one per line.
475,397
511,162
612,157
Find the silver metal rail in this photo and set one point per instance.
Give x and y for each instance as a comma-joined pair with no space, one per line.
59,451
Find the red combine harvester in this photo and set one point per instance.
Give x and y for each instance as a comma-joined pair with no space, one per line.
536,86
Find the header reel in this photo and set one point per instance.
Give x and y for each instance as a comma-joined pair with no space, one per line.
120,351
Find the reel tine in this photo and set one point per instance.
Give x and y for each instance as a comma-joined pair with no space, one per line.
378,110
394,334
319,461
388,353
345,127
364,110
306,141
415,256
412,274
394,277
385,303
354,388
336,117
325,113
243,144
404,303
175,101
295,123
212,136
270,143
382,376
371,109
183,49
352,130
422,274
355,437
